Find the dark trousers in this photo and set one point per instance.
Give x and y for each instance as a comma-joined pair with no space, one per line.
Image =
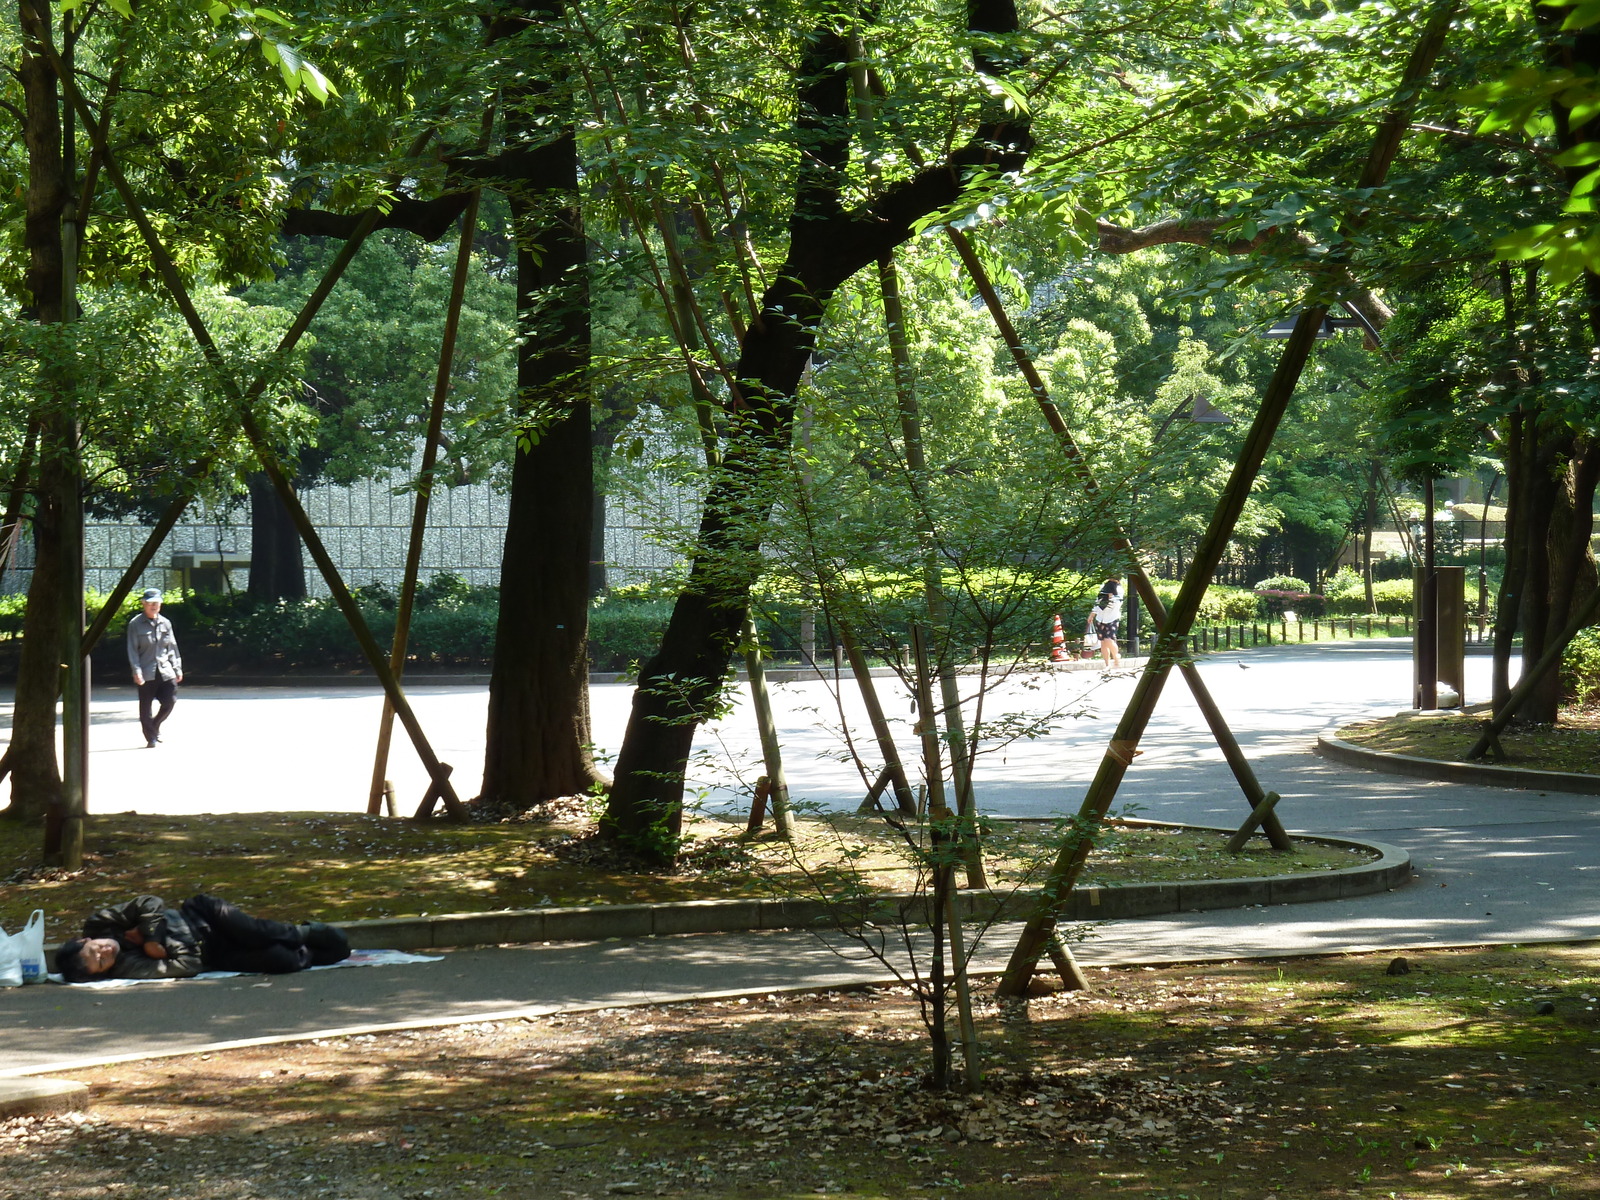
152,692
232,940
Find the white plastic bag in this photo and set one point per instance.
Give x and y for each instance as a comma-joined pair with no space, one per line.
30,948
10,962
22,953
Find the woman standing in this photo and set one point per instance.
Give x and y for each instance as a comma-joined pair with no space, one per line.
1104,618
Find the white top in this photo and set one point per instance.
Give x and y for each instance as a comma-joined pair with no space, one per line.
1107,612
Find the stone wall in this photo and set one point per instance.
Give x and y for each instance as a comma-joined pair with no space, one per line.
366,527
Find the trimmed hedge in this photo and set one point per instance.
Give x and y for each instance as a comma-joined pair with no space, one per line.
454,623
624,632
1221,605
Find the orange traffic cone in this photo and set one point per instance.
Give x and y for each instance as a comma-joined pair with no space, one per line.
1058,643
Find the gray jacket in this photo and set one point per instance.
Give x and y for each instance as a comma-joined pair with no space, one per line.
153,648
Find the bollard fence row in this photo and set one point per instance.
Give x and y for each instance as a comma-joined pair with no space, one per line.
1240,636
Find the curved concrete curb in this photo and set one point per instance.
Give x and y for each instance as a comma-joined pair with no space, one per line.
1330,745
597,923
41,1097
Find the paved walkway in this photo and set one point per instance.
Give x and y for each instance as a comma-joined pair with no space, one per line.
1494,865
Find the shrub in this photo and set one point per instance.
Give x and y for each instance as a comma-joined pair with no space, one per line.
1392,596
1275,603
1279,594
1221,605
623,631
453,622
1281,583
1342,584
12,609
446,589
461,633
1580,667
1346,593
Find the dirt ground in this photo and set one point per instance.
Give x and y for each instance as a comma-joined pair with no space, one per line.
1467,1074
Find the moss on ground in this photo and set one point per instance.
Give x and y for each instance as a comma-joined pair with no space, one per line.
344,867
1573,744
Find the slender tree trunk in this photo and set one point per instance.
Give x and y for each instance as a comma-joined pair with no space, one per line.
1514,579
277,561
35,773
679,684
827,245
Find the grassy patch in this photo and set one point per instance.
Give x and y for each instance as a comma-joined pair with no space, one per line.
1302,1078
1572,745
345,866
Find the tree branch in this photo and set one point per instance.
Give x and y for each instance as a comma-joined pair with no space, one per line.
1119,239
428,219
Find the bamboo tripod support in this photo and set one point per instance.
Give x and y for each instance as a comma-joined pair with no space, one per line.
1249,784
167,269
1036,934
1169,648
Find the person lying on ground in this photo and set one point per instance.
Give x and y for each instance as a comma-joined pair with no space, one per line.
144,939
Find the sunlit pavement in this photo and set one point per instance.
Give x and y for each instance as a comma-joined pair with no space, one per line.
262,749
1493,865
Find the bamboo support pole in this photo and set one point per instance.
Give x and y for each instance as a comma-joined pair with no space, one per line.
1581,619
1061,957
1243,772
425,483
167,269
771,751
893,769
290,339
1257,815
1168,650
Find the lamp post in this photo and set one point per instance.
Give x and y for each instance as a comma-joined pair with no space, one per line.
1200,412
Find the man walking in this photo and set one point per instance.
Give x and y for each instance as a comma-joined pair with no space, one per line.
157,666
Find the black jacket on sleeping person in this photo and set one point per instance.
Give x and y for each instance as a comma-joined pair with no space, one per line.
208,933
155,922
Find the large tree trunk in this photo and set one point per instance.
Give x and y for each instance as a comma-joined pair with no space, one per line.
537,741
35,774
538,737
827,245
1570,565
1562,568
277,562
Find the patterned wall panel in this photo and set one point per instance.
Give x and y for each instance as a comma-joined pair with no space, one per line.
366,526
